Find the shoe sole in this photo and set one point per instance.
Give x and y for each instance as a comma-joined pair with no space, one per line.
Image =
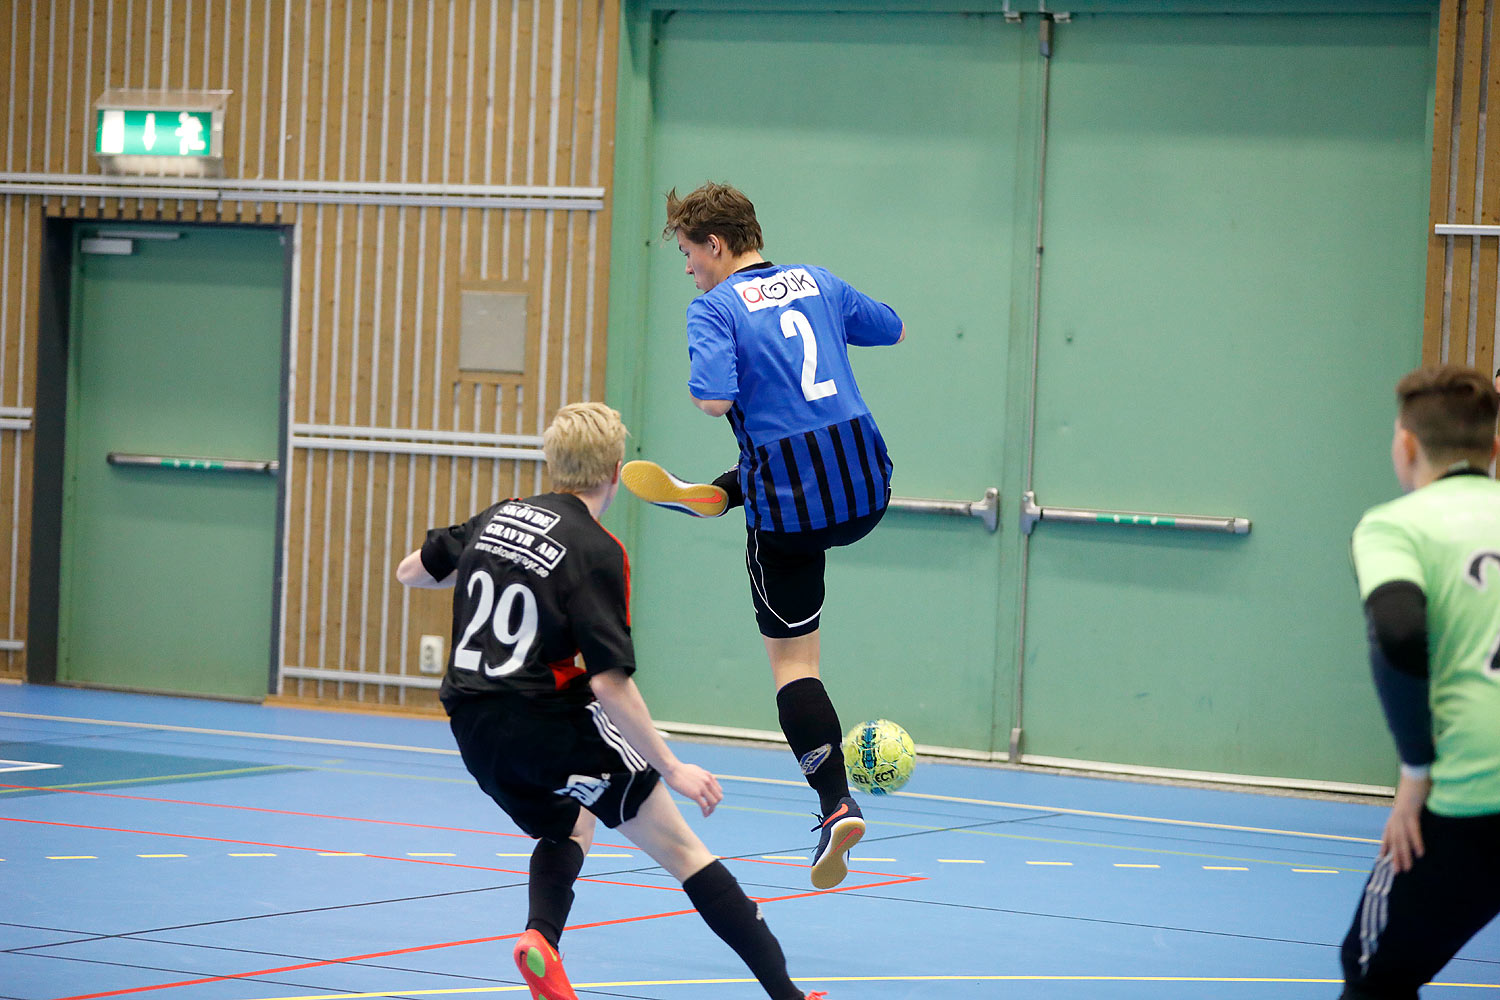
526,961
656,485
831,869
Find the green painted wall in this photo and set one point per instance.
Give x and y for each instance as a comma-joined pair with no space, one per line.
1233,285
896,97
1232,281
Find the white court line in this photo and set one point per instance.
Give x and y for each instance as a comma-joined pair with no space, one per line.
230,732
23,765
999,804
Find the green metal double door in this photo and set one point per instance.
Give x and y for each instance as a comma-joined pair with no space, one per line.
1231,284
168,569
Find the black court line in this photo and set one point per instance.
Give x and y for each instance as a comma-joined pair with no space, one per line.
256,952
271,916
280,983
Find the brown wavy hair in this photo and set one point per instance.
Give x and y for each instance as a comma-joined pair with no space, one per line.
716,209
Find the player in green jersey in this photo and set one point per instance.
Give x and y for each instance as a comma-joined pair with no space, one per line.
1428,567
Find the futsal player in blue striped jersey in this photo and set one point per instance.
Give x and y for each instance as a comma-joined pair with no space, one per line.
768,349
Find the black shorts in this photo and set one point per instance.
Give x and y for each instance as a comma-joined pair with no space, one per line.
1408,926
786,573
541,767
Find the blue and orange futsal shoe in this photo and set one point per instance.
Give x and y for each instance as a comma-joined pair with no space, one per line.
840,830
542,969
656,485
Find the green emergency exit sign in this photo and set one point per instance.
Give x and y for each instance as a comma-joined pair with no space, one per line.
158,132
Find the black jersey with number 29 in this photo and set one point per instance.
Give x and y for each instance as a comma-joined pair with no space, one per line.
539,581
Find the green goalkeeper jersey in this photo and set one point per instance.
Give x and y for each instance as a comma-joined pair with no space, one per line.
1445,538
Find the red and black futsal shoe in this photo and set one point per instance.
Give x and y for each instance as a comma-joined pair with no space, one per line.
542,969
840,830
656,485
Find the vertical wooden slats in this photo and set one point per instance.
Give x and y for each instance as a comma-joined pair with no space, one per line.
465,91
1463,272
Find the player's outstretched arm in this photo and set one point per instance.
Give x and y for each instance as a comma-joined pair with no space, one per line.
626,708
413,573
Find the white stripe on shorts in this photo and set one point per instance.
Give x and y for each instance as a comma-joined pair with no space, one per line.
760,588
628,754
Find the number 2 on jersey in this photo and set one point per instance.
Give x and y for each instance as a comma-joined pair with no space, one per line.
519,640
794,324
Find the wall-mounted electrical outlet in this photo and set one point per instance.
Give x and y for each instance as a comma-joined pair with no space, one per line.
430,654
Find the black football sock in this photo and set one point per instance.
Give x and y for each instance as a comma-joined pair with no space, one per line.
555,865
729,482
812,729
732,915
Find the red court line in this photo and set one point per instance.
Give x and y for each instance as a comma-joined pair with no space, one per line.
362,819
454,944
281,812
294,847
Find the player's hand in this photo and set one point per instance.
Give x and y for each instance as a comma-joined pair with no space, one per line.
695,783
1402,840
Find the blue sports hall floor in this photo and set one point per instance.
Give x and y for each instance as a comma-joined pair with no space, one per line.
182,849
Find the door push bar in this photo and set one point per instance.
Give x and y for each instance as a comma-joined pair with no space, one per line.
987,509
1031,514
262,467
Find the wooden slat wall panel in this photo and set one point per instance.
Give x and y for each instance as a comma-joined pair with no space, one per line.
465,91
1462,323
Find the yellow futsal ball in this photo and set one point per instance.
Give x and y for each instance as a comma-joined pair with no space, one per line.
878,756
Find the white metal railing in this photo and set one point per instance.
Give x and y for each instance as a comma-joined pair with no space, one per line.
15,418
233,189
362,677
409,434
1464,229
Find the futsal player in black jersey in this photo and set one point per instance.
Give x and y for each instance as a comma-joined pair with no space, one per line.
557,743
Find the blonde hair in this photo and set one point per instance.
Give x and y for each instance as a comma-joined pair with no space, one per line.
583,444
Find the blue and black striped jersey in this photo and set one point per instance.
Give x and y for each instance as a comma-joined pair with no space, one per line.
775,340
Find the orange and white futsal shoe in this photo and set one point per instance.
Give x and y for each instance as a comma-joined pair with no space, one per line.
542,968
656,485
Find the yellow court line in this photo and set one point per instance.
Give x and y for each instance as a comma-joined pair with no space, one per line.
1078,812
252,855
161,855
1224,868
72,857
959,861
1316,871
156,777
395,774
1121,864
810,980
1054,864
